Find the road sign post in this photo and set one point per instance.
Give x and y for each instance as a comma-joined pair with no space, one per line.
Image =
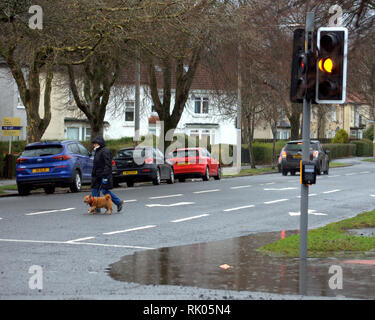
10,127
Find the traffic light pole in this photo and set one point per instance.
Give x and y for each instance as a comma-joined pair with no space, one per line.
309,29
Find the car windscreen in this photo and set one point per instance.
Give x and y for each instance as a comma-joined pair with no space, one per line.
185,153
298,147
40,151
134,153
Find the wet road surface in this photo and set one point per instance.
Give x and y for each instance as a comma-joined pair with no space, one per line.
234,264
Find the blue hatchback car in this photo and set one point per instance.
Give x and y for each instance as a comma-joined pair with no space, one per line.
53,164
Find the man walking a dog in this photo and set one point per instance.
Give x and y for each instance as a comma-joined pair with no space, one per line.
102,172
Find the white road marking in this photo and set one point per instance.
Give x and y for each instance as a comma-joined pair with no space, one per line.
269,183
240,187
334,176
129,230
331,191
206,191
279,189
76,243
127,201
81,239
240,208
309,212
190,218
49,211
372,195
365,172
350,174
169,205
310,195
275,201
165,197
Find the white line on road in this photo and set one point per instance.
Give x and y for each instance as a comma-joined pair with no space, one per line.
240,187
129,230
331,191
49,211
365,172
169,205
279,189
190,218
76,243
164,197
310,195
127,201
372,195
309,212
206,191
334,176
350,174
239,208
275,201
80,239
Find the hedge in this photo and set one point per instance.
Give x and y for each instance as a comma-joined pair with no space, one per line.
340,150
364,148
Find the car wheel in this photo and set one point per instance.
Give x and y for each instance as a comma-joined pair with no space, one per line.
218,177
157,179
171,177
130,184
293,172
181,180
49,190
326,172
77,182
23,190
285,172
206,176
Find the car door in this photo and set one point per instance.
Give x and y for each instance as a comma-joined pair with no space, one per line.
87,162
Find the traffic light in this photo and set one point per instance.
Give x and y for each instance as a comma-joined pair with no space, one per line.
299,66
332,46
303,70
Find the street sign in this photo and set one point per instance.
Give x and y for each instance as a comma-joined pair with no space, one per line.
11,127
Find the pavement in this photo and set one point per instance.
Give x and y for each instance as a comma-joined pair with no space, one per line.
194,240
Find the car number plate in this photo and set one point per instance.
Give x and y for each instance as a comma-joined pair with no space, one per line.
126,173
40,170
297,156
184,164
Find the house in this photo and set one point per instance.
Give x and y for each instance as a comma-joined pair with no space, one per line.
10,101
202,117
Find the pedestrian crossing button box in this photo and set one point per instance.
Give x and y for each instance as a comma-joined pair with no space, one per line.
308,172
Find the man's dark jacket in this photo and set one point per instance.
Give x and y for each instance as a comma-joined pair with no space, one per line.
102,166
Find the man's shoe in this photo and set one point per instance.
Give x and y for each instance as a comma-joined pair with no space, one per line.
119,206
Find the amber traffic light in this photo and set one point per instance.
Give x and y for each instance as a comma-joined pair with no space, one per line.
332,45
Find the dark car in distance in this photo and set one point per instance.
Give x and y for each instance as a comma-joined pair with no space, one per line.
53,164
141,164
291,157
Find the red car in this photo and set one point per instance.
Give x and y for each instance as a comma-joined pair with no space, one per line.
194,162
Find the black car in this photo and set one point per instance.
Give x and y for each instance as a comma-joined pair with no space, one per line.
292,155
141,164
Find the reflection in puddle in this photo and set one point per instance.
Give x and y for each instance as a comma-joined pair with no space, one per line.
234,264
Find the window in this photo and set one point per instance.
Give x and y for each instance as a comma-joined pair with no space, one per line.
73,148
19,101
72,133
201,105
334,114
129,111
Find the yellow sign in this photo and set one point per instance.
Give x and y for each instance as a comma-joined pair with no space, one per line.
11,126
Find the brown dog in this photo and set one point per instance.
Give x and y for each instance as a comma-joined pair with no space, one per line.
99,202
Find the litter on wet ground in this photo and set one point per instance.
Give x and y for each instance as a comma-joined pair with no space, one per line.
246,269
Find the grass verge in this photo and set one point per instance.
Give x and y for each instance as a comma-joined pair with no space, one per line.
369,160
338,164
329,240
12,187
251,172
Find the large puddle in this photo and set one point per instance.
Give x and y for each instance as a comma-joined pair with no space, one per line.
234,264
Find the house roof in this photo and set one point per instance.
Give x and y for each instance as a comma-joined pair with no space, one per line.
355,98
203,78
